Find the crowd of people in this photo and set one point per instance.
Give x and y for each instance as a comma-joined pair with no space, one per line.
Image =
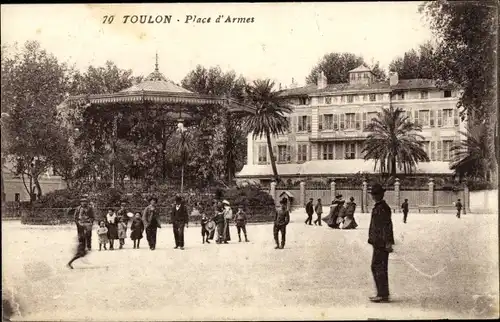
341,215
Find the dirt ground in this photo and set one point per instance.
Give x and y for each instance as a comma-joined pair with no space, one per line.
442,267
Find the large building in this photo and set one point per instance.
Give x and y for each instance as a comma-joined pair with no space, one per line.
328,126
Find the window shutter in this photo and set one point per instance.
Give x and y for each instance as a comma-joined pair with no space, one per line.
309,122
320,147
320,122
289,153
358,123
417,119
342,120
335,122
455,118
431,118
275,152
440,118
364,121
433,151
439,151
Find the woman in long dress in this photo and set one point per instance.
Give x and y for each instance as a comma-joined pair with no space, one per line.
228,216
332,220
350,208
112,225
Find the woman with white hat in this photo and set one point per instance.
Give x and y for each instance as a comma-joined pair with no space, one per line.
228,216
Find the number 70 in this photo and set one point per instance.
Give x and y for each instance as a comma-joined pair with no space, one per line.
108,19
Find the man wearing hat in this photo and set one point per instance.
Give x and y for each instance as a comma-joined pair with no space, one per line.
84,219
179,218
380,236
309,211
281,220
151,220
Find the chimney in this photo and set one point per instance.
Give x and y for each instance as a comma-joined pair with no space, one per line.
321,80
393,78
293,85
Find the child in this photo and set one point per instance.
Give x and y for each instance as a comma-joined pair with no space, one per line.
458,205
122,231
102,232
204,230
241,221
137,228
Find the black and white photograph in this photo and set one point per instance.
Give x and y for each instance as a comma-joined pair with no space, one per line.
250,161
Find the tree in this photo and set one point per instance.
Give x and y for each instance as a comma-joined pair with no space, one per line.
33,84
336,67
466,33
472,158
224,153
182,146
270,115
416,64
394,142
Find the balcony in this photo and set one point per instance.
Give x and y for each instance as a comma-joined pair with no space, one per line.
331,135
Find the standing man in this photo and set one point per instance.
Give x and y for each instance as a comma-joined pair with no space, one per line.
151,219
84,219
179,219
459,208
309,211
319,211
281,220
404,208
380,236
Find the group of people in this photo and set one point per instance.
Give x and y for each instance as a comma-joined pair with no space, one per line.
220,222
341,214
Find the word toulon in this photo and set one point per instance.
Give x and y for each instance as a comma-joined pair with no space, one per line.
166,19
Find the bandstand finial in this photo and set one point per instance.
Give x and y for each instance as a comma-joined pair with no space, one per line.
156,65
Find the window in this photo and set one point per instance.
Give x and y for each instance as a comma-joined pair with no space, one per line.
349,121
304,101
304,124
358,121
364,121
425,147
424,118
447,93
359,76
401,96
350,151
335,122
433,152
438,151
350,98
327,151
447,145
416,118
321,100
365,98
328,121
342,121
301,152
370,117
455,119
342,99
431,118
328,100
380,97
17,197
372,97
262,153
283,153
424,95
448,117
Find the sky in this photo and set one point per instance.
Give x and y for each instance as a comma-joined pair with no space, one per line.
284,41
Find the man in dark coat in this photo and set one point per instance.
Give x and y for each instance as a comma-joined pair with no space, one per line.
179,219
151,219
309,211
381,237
404,208
84,219
458,204
281,220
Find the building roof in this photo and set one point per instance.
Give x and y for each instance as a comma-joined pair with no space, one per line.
360,68
156,86
334,167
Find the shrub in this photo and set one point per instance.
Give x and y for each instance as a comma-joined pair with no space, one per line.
258,204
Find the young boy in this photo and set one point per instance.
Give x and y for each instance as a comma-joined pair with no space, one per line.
459,208
102,233
241,222
281,220
205,233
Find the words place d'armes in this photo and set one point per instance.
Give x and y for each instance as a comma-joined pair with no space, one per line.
167,19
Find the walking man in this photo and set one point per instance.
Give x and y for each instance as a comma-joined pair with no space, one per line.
380,236
241,222
151,219
309,211
84,219
319,211
404,208
458,204
281,220
179,219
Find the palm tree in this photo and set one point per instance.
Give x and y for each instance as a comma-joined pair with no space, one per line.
474,156
182,146
269,118
394,142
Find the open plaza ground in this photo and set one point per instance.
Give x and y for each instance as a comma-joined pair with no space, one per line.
442,267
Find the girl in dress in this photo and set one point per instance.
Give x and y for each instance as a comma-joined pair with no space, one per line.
102,233
112,225
122,231
137,228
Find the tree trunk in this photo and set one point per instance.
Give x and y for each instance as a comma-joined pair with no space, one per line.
38,187
393,167
271,154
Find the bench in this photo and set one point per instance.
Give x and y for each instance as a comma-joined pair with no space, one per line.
434,209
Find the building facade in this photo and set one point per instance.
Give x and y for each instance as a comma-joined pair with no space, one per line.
328,126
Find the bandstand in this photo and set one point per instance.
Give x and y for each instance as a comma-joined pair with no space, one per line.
172,105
